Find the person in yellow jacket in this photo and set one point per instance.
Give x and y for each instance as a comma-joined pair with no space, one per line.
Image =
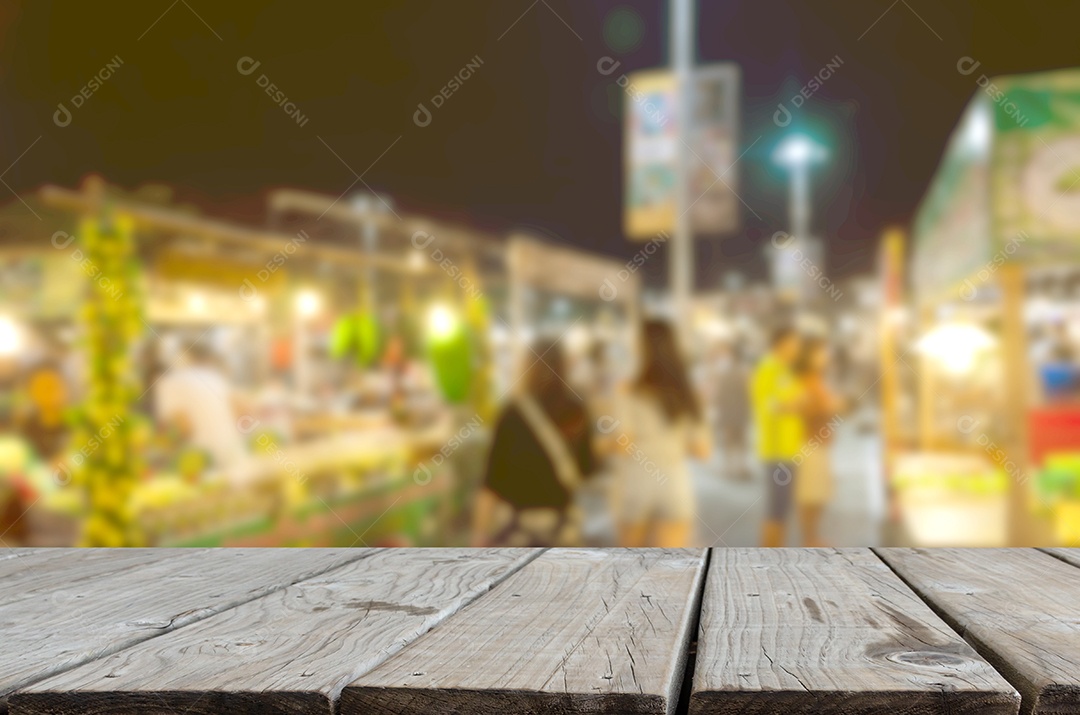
776,397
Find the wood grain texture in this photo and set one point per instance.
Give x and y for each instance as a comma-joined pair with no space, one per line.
830,631
576,631
17,562
1019,607
290,651
49,572
1070,556
16,552
68,624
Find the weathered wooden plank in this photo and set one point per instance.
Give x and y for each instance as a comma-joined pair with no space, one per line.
91,618
16,552
51,573
18,560
1019,607
1071,556
288,652
576,631
830,631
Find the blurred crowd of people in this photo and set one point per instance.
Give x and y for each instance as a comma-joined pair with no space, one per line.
774,418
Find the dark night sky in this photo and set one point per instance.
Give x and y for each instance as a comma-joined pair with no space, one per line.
533,139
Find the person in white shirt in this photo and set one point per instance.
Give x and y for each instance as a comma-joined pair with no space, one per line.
659,425
196,398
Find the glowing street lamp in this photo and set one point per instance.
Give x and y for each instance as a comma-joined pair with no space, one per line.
798,151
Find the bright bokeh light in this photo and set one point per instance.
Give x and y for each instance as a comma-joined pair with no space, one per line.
798,150
977,130
308,303
442,322
956,345
10,337
196,303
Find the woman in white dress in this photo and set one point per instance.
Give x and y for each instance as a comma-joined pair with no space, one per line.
657,426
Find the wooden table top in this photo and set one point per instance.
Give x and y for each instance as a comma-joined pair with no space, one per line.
486,631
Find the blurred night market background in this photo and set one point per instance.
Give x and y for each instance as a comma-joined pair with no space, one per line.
667,272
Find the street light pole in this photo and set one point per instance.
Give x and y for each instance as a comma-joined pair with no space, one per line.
680,258
799,202
797,153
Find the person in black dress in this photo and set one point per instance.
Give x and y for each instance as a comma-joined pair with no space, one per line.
540,453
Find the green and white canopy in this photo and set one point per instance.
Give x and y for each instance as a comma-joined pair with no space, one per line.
1008,187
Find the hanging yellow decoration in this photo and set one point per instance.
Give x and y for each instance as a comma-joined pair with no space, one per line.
111,317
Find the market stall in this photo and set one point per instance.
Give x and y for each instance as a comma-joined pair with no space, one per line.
997,353
343,426
359,352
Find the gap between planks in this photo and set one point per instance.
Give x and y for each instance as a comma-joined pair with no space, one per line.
691,646
579,631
